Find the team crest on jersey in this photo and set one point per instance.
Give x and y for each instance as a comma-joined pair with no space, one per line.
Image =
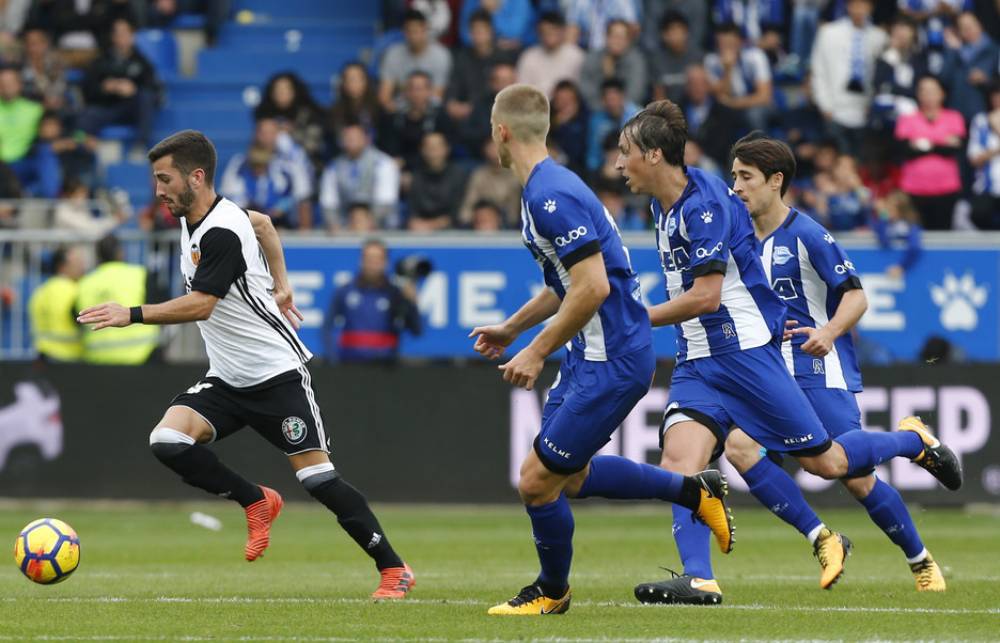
782,255
195,254
294,429
671,225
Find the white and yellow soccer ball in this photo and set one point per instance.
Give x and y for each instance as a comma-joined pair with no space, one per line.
47,551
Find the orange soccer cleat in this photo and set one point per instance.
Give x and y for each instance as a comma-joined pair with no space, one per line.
396,583
260,516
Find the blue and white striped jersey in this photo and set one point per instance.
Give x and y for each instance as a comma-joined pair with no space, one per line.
810,272
982,138
708,229
563,223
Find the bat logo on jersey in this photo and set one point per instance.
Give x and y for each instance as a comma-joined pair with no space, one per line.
782,255
571,236
195,254
294,429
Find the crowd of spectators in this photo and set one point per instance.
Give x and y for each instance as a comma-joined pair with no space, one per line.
892,109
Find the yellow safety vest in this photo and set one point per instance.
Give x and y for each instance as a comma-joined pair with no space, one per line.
125,284
53,319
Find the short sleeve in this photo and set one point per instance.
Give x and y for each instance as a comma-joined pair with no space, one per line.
760,66
220,264
831,262
707,229
563,221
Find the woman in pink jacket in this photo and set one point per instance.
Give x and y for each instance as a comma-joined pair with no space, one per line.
932,139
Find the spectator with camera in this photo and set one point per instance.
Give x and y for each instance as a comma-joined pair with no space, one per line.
368,314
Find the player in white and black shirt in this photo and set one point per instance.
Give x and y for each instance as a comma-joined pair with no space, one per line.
238,293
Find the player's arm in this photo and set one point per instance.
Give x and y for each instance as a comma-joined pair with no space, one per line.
270,243
492,340
588,291
194,306
852,307
703,298
835,268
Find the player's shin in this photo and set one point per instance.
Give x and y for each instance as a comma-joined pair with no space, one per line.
199,467
867,449
775,489
692,538
552,526
887,510
619,478
352,511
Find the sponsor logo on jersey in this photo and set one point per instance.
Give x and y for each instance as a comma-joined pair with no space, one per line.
799,439
842,268
556,450
195,254
571,236
294,429
701,253
782,255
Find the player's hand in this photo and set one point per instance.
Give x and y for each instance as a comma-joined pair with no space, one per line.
491,341
287,307
789,325
523,369
819,343
109,315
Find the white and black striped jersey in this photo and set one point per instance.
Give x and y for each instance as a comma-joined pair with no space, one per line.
247,339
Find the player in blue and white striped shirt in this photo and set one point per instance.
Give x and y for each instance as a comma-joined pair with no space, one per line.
594,303
817,281
730,370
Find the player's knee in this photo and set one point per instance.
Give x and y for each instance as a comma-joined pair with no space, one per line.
317,477
742,451
681,462
824,467
535,489
859,487
166,443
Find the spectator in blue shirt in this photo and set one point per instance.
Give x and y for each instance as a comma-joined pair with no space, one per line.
569,124
370,312
897,227
513,21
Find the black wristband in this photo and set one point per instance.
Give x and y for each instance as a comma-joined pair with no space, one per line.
135,314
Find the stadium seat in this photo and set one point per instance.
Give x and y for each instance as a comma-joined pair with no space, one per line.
160,47
232,65
189,21
124,133
312,9
133,178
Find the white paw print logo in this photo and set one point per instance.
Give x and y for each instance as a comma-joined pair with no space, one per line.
706,216
828,237
959,299
550,206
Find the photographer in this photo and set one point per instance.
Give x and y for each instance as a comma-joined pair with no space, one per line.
371,311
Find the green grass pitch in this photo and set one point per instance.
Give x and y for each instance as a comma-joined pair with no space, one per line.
147,573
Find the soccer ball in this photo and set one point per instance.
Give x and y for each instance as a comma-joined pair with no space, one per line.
47,551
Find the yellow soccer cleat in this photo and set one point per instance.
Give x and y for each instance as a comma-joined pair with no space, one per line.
928,575
713,510
832,550
939,460
530,601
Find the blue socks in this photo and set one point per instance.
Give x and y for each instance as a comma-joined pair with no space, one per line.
887,510
775,489
552,526
868,449
692,538
619,478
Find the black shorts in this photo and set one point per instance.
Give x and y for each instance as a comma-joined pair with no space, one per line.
282,410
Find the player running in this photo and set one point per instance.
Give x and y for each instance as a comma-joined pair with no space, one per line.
593,300
730,370
813,275
238,293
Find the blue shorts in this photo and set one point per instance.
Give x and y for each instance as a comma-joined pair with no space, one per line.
838,411
689,397
758,395
587,403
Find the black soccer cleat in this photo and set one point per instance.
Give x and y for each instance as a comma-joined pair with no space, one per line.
680,589
939,460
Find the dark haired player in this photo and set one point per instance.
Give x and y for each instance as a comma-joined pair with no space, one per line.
238,293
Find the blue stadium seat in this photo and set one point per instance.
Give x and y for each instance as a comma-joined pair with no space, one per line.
124,133
189,21
206,119
316,9
232,66
160,47
383,42
134,178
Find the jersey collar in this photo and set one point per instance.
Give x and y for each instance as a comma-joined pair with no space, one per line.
792,215
194,226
